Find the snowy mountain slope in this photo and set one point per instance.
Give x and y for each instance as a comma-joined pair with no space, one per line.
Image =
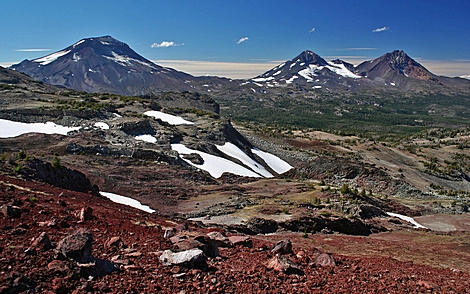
104,64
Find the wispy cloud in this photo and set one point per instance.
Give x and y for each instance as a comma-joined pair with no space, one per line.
357,49
242,40
33,50
312,30
382,29
165,44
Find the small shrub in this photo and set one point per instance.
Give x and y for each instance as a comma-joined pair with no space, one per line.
55,162
18,168
33,199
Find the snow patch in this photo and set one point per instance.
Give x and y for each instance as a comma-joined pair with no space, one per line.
291,80
78,43
277,73
10,129
274,162
235,152
146,138
341,70
76,57
408,219
126,201
263,79
171,119
215,165
51,57
101,125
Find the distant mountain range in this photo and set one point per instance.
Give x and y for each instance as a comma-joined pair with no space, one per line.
395,70
105,64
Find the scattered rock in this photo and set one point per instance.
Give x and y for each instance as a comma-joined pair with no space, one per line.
325,260
219,239
86,214
11,211
42,242
283,247
58,266
116,242
285,265
169,233
193,258
241,240
76,246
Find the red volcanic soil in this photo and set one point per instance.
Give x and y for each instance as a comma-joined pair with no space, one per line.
238,269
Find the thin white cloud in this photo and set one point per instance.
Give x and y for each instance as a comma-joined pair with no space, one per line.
242,40
312,30
165,44
357,49
382,29
234,70
33,50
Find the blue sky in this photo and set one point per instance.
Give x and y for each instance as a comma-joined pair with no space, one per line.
245,37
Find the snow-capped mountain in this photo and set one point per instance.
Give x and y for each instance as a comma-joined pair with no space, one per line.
310,68
104,64
395,70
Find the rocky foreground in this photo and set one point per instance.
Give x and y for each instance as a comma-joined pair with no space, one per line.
59,241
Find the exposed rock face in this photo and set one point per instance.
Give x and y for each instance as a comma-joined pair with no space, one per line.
60,176
317,224
261,225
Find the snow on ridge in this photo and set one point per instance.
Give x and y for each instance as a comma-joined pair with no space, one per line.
232,150
408,219
274,162
291,80
310,72
263,79
78,43
126,61
214,165
51,57
10,129
171,119
341,70
126,201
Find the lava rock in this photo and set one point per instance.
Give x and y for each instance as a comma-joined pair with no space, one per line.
219,239
285,265
11,211
193,258
283,247
76,246
325,260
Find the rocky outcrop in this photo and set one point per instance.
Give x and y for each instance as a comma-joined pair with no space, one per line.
60,176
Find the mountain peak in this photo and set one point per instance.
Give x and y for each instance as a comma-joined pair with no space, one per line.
310,57
103,64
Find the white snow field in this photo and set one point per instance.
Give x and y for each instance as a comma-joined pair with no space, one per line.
233,151
274,162
215,165
408,219
101,125
51,57
146,138
126,201
171,119
10,129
